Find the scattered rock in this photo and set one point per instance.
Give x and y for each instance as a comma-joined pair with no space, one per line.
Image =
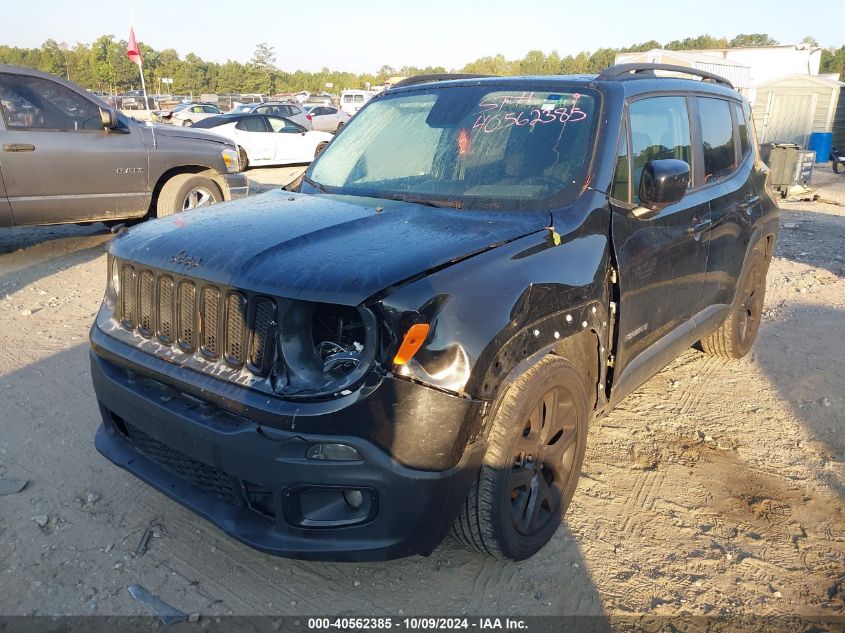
293,603
194,617
41,520
26,312
357,583
118,566
777,594
790,225
91,498
825,402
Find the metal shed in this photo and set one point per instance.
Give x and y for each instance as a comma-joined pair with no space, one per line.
790,108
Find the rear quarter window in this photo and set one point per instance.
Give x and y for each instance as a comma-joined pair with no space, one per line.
717,139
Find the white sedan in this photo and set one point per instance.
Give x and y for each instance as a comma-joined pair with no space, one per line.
268,140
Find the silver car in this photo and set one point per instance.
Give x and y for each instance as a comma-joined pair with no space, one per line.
290,111
69,157
327,118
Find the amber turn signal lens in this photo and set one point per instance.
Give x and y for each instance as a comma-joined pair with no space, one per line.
414,338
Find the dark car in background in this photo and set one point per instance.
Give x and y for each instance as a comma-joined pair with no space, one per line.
68,157
473,271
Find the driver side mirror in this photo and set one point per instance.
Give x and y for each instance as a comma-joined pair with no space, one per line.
663,183
108,117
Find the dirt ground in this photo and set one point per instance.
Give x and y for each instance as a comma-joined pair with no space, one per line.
717,488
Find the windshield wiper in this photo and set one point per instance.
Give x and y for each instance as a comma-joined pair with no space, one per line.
314,184
428,202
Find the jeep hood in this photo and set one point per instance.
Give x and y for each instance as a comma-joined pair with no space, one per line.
335,249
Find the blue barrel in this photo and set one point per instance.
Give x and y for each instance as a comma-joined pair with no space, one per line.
820,143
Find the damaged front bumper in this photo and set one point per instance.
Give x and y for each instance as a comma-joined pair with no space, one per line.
252,465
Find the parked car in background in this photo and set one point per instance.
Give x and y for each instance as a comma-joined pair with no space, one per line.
353,100
69,157
327,118
267,139
166,115
194,112
291,111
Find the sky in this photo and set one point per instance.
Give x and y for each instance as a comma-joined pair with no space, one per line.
362,35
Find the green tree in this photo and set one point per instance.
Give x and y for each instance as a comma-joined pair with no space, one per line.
752,39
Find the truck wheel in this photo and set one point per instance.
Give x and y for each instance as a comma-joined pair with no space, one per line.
736,335
534,454
186,191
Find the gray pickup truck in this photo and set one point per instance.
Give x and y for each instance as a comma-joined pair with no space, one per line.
68,157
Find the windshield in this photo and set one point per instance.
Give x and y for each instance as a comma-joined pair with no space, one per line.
466,146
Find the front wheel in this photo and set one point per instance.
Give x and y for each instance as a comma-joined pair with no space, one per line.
734,338
186,191
534,455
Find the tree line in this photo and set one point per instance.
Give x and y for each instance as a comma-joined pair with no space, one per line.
103,66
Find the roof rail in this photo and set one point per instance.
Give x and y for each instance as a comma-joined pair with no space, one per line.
424,79
641,71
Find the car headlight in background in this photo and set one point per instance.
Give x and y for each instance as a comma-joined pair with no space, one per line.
232,159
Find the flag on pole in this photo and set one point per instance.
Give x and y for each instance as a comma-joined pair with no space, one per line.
134,55
132,51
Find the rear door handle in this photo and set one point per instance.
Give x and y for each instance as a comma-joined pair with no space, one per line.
749,202
18,147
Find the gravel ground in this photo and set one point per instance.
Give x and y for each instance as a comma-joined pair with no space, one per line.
717,488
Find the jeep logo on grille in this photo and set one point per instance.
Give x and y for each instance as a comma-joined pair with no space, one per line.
186,260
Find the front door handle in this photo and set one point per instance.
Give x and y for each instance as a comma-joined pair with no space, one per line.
699,228
749,202
18,147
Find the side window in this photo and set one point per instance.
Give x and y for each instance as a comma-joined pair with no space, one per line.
742,124
35,103
619,189
197,109
717,137
252,124
329,111
318,112
262,110
283,125
659,130
210,110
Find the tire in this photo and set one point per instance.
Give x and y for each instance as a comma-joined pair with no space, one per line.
186,191
337,129
734,338
838,167
187,123
320,148
497,517
244,158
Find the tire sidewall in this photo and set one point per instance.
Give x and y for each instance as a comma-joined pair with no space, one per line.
757,262
184,188
556,372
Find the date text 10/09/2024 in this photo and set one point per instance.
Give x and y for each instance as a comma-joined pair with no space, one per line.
416,624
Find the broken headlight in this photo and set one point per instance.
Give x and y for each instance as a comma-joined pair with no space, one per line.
323,349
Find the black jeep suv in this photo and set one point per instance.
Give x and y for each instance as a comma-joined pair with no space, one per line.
473,270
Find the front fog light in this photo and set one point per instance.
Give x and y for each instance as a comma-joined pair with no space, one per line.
354,498
333,452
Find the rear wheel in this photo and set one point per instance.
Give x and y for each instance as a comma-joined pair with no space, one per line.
320,148
187,191
187,123
534,455
736,335
339,125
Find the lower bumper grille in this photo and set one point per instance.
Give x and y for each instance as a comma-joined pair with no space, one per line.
205,477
